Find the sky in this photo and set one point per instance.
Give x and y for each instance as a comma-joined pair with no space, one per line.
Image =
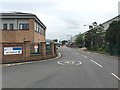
64,18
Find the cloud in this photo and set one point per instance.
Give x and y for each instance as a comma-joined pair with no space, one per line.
63,17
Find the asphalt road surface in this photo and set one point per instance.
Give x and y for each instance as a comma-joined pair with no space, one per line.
75,69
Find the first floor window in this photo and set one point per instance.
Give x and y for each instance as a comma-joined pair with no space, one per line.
24,26
5,26
11,27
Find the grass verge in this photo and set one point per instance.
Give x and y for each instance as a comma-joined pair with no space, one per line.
101,52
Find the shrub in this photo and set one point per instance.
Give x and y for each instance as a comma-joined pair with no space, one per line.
99,49
107,49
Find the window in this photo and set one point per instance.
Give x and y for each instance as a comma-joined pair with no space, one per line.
42,31
35,26
24,26
4,26
11,27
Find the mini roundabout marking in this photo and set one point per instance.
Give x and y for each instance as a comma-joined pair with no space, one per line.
69,62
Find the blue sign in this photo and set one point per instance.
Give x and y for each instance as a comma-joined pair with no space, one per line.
12,50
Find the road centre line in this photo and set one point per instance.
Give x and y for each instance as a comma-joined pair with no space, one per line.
84,56
115,76
96,63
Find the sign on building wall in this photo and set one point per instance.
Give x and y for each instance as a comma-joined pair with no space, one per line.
12,50
35,47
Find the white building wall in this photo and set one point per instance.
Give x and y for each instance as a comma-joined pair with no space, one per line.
106,25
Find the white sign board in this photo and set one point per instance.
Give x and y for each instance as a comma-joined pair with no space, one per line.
12,50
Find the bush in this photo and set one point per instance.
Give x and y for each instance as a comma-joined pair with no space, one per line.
99,49
107,49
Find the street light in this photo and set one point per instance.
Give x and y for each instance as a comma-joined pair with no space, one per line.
94,24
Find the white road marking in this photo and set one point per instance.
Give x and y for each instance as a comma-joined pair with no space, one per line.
60,63
115,76
96,63
79,63
84,56
69,62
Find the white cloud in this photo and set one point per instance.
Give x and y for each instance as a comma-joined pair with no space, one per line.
63,17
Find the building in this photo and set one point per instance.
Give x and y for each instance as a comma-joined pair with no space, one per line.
106,24
23,38
73,38
20,27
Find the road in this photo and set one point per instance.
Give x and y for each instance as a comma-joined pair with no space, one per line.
75,69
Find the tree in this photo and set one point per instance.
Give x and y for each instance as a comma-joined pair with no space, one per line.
112,37
111,34
79,40
100,36
55,40
94,38
64,41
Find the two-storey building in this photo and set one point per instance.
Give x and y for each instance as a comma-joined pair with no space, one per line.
21,27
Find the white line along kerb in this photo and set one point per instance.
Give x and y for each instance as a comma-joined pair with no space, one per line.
115,76
96,63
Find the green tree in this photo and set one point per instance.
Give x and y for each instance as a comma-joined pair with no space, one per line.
111,34
79,40
112,37
55,40
100,36
94,38
64,42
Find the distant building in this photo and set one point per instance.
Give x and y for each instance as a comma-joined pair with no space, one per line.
21,27
73,38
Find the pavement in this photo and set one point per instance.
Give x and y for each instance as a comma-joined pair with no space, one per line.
74,69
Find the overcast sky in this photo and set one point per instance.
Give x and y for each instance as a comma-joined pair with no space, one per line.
65,17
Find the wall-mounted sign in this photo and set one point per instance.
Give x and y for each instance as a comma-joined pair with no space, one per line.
35,47
12,50
47,43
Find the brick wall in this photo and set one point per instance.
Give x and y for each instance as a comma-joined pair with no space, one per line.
38,37
25,52
12,58
22,35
